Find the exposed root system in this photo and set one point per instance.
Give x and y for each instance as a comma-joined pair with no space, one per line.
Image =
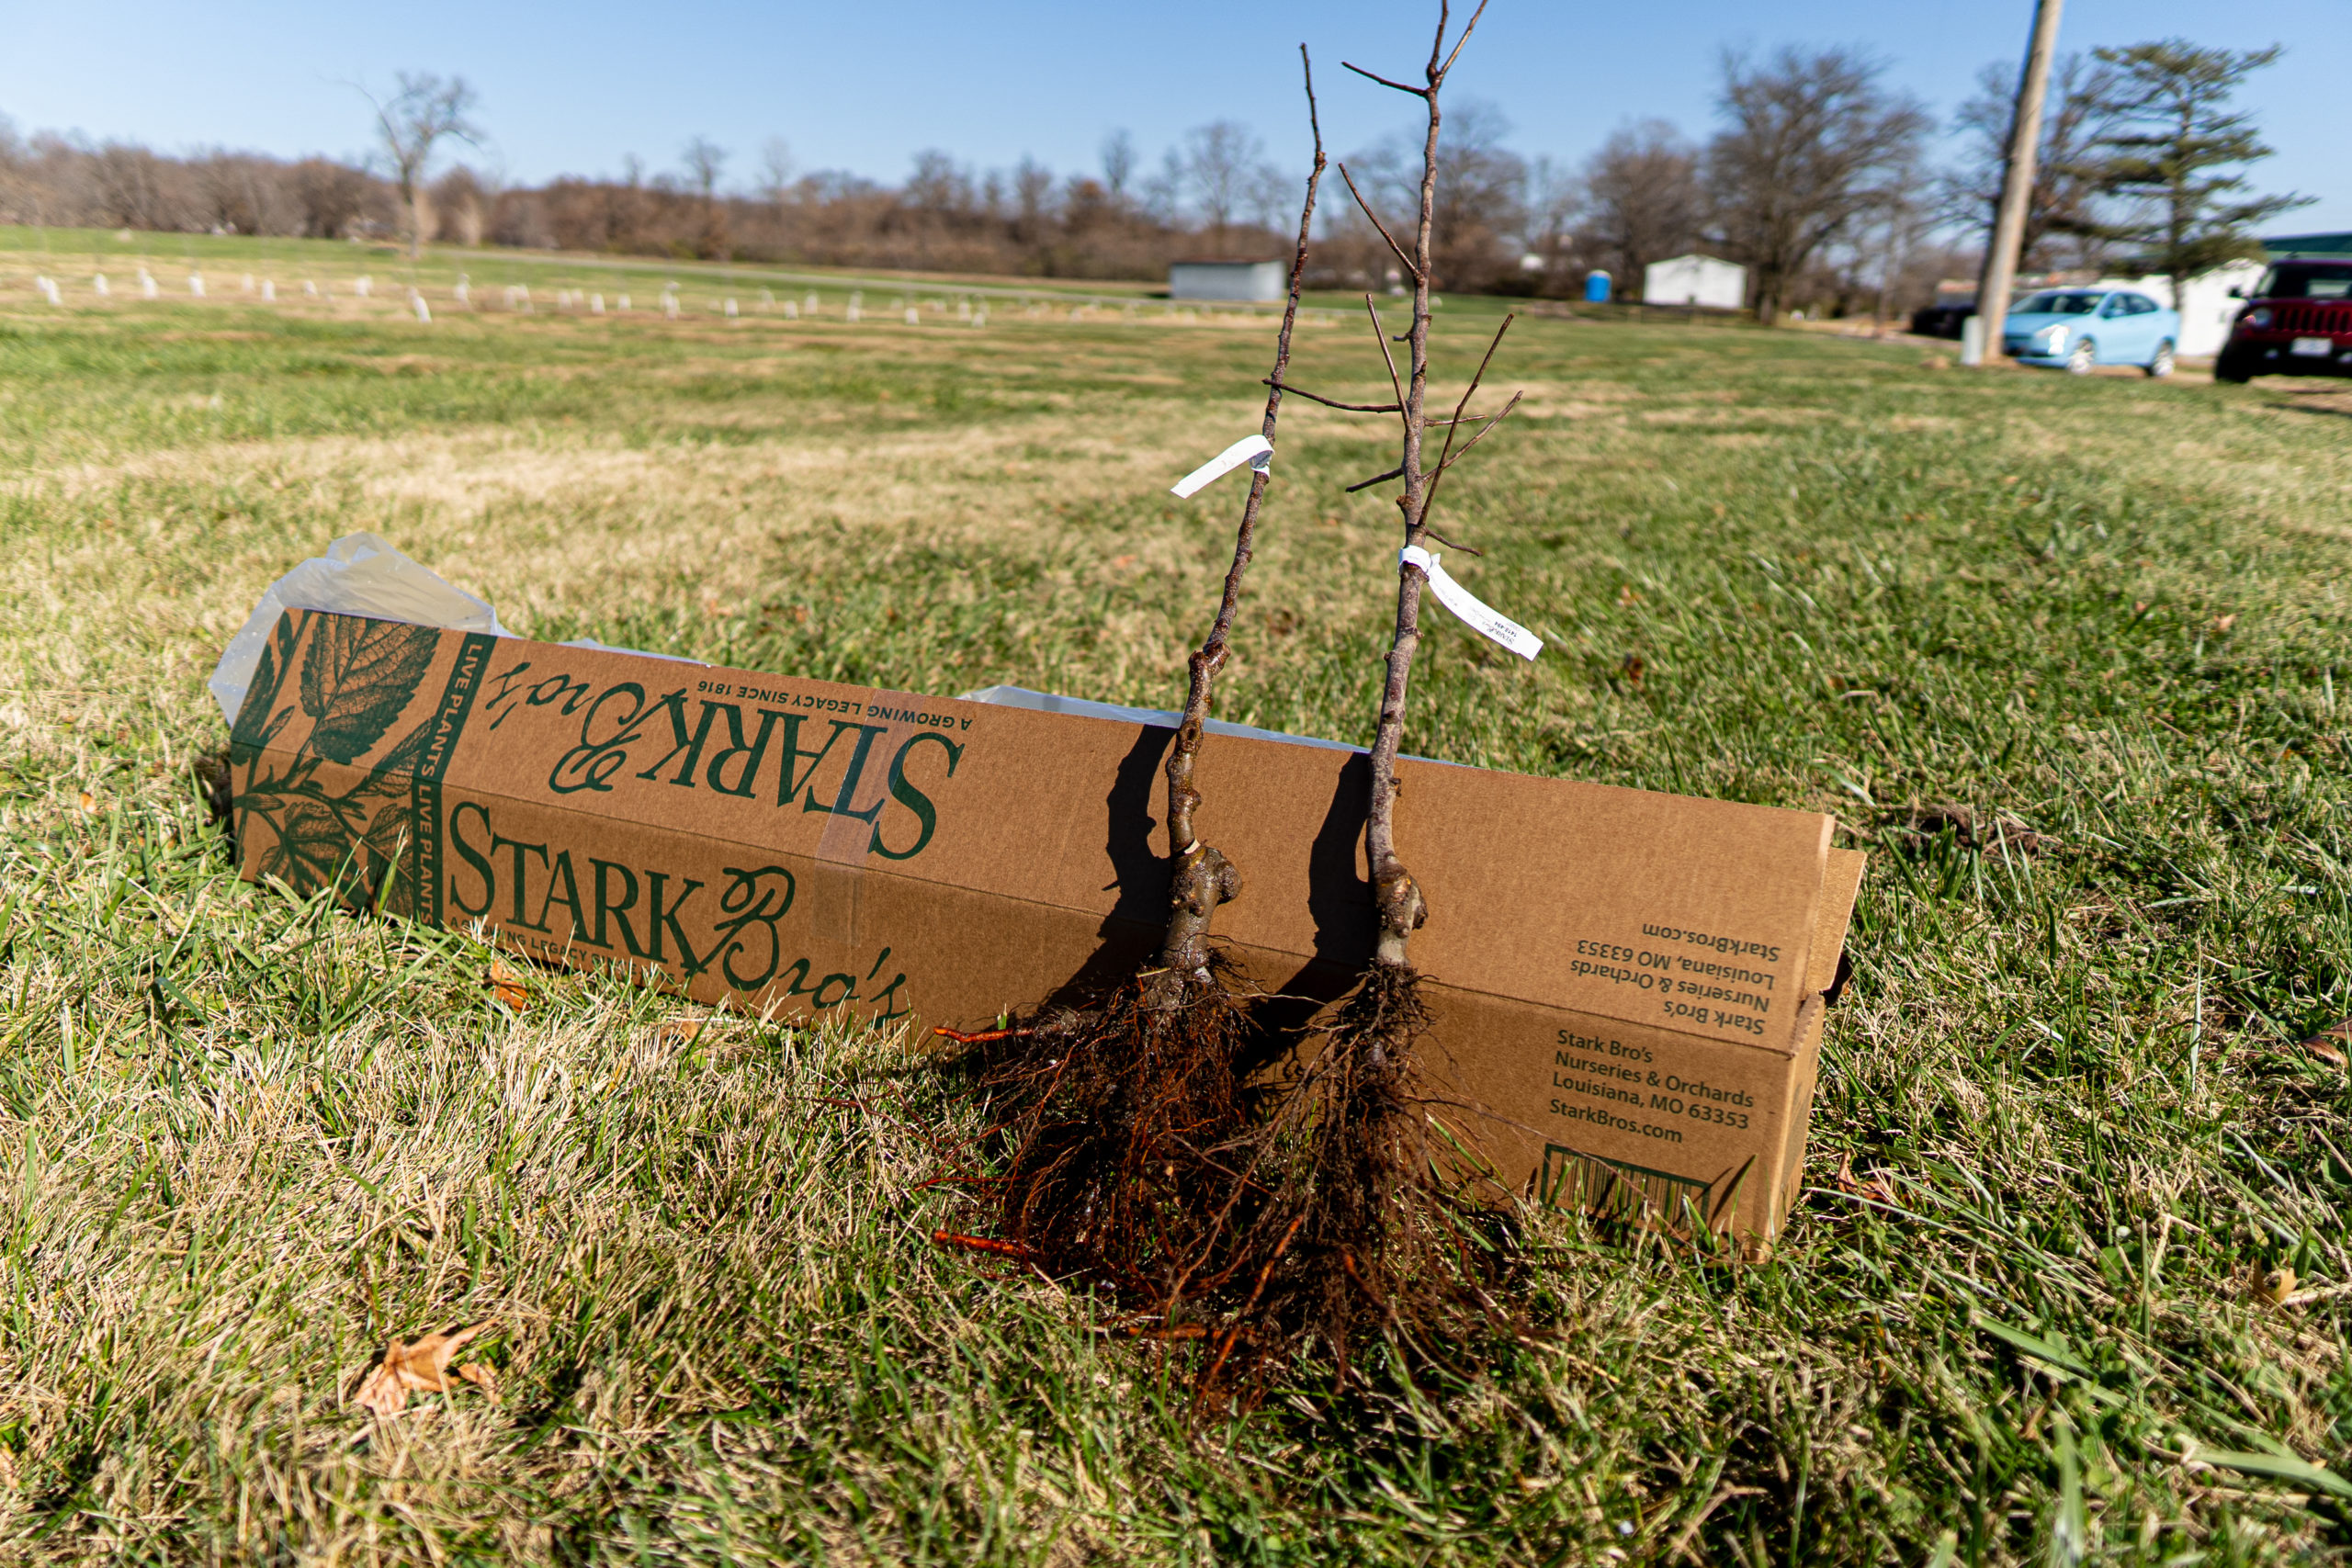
1120,1125
1353,1237
1255,1227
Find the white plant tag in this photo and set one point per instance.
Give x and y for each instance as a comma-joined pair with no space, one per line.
1475,612
1254,450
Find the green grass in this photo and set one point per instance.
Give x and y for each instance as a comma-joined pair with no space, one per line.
2063,1123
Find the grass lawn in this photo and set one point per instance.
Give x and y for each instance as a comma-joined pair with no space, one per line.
2065,1149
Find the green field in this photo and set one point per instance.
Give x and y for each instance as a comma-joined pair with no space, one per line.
2065,1139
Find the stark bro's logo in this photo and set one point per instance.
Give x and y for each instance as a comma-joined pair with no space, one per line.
719,749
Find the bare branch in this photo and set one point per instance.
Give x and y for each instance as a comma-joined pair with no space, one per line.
1467,28
1417,91
1351,408
1203,877
1376,223
1445,455
1445,463
1454,543
1376,479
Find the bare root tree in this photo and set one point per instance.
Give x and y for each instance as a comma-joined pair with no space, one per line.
1122,1114
411,126
1813,146
1349,1233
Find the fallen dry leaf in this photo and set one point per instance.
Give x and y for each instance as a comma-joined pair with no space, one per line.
89,803
1873,1188
509,984
2223,623
2329,1043
678,1030
422,1367
2276,1286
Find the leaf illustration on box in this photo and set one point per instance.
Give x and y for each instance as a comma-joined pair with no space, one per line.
314,839
255,724
357,678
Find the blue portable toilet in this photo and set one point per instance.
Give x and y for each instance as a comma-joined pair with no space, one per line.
1596,289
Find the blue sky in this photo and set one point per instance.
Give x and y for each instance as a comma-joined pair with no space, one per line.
575,88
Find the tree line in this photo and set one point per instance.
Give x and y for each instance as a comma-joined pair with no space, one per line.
1816,176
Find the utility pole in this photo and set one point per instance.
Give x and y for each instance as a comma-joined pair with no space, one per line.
1983,343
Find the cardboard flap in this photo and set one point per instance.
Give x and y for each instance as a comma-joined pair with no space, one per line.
1841,885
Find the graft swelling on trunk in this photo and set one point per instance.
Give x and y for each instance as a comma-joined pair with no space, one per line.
1201,878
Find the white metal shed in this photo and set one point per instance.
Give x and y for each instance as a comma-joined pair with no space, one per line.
1241,280
1695,280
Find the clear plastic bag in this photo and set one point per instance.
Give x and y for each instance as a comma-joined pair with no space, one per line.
360,575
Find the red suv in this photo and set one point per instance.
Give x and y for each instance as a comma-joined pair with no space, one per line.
2297,323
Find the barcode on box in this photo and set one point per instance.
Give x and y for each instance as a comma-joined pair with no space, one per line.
1571,1178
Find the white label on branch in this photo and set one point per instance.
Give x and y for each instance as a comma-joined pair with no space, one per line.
1254,450
1475,614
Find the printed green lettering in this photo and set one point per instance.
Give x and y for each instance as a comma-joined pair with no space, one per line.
752,754
617,909
914,799
521,879
848,791
473,857
559,877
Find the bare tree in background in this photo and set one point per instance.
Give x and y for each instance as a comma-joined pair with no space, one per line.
135,188
1218,171
1481,198
1032,199
777,169
1642,201
1118,164
330,196
411,126
461,204
1269,190
1811,146
1481,192
2058,209
1554,199
704,159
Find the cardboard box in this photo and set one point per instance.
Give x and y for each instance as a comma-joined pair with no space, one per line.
1627,985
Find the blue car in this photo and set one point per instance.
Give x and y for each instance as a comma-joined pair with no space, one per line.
2076,330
